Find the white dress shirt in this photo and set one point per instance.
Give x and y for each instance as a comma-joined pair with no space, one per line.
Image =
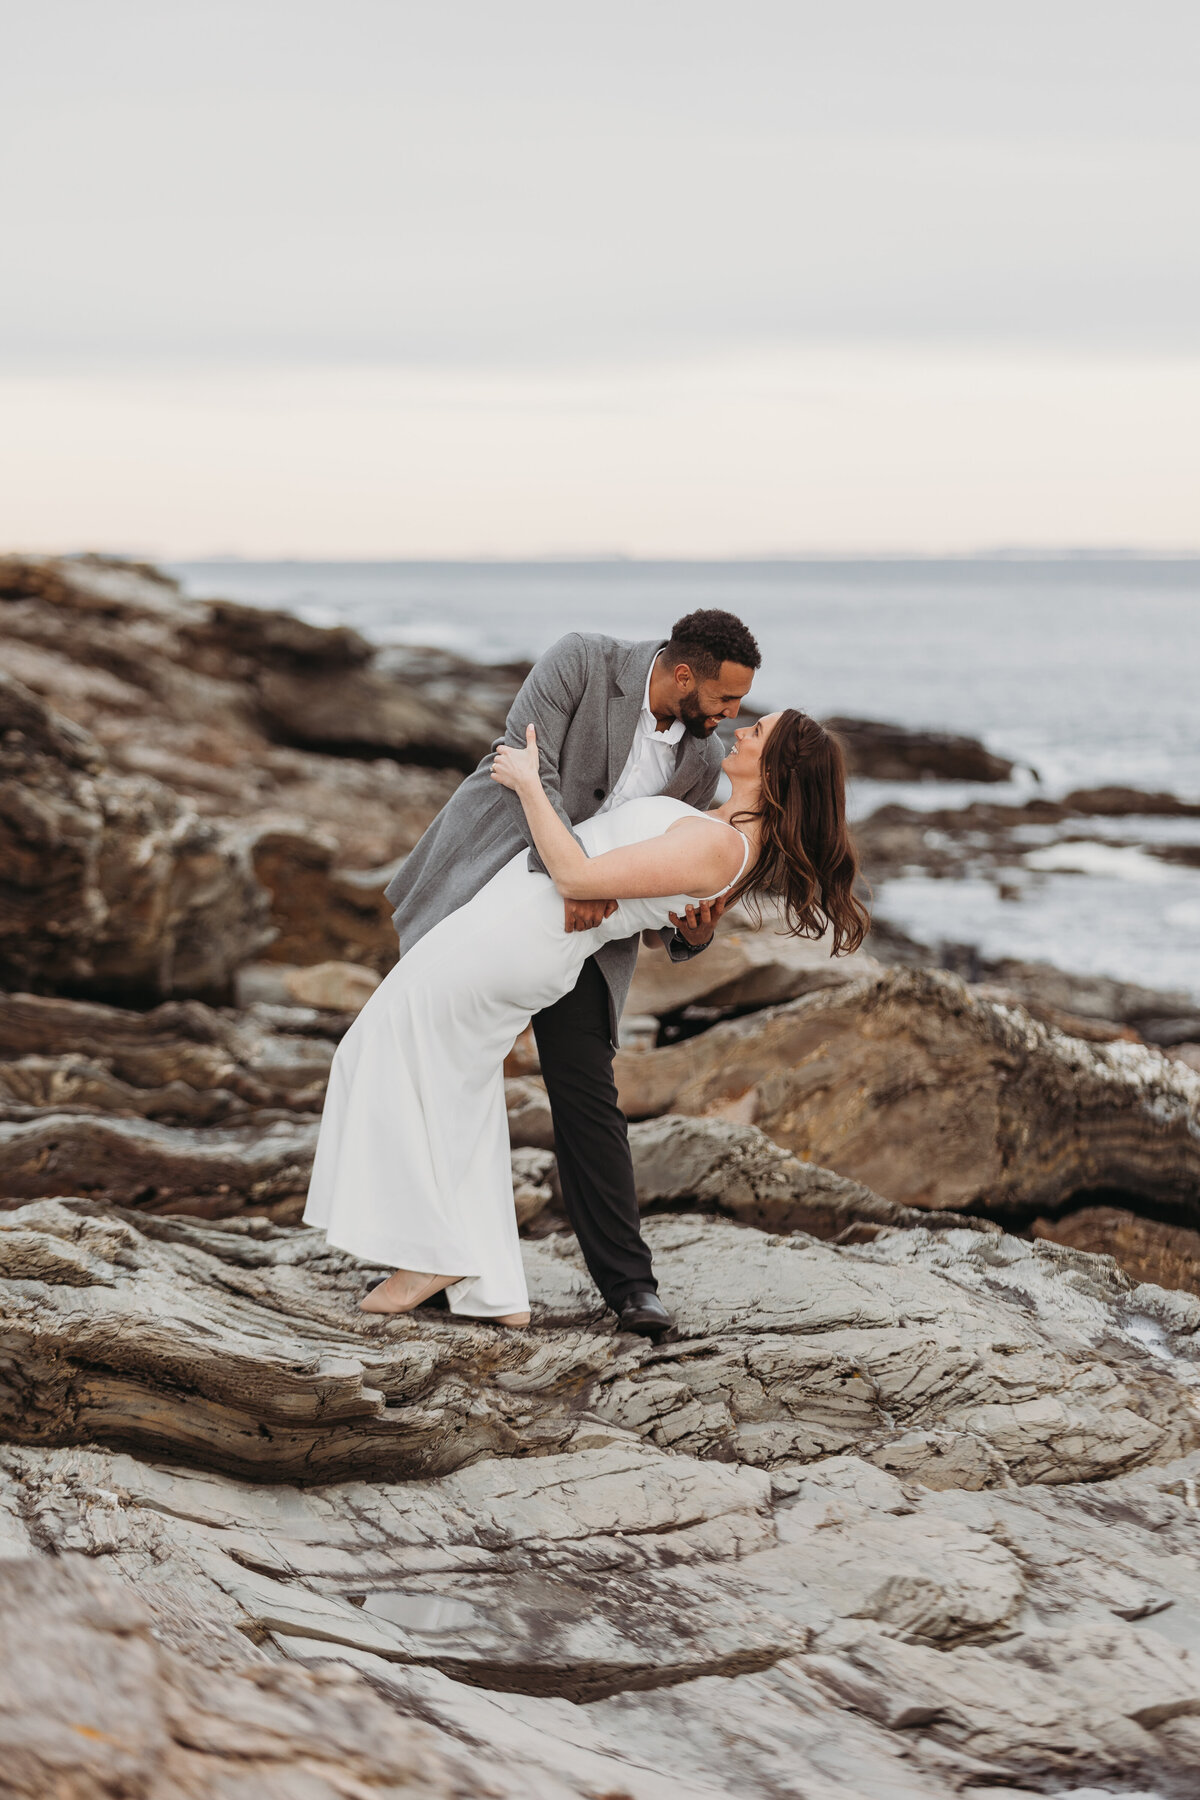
651,760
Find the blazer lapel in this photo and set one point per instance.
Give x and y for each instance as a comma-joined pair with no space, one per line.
687,770
626,704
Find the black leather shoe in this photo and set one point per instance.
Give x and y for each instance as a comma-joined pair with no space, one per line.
643,1312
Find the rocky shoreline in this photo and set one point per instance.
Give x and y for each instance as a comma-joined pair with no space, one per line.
909,1506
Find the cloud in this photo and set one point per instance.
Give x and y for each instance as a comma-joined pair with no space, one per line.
535,185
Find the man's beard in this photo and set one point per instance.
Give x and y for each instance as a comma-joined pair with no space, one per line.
693,716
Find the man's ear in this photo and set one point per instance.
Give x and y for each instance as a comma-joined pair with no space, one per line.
685,681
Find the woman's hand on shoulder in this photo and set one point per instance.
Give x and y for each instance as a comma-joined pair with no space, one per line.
518,769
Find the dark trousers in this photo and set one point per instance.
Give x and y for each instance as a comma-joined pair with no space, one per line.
591,1138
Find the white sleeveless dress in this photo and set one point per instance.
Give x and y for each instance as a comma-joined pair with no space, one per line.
412,1168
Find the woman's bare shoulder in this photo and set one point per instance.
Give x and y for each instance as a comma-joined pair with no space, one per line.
724,839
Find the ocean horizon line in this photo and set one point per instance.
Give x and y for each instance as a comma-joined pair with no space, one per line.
1017,555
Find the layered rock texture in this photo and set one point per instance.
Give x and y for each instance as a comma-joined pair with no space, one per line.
905,1509
175,772
914,1517
909,1082
111,883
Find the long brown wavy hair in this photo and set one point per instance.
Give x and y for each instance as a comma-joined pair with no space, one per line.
806,857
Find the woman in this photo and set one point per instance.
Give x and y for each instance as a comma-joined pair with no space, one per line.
412,1165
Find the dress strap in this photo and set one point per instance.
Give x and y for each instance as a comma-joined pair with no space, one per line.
741,871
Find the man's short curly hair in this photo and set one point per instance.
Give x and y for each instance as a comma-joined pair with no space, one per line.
707,638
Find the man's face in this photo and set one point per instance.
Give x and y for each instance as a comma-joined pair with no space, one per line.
704,702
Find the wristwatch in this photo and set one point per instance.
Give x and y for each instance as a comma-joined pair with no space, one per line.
685,945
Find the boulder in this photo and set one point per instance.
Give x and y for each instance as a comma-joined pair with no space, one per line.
359,712
180,1108
422,706
190,1109
322,913
933,1097
221,634
1126,802
1147,1249
339,987
523,1060
898,753
535,1183
224,703
111,883
713,1165
747,965
216,1169
529,1123
1044,989
1173,1033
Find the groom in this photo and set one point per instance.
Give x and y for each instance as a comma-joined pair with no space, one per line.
615,722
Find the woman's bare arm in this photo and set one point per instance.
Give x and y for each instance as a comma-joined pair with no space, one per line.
691,857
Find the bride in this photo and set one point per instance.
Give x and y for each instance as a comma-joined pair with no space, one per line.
412,1167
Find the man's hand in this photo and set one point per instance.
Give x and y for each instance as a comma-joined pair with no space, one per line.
699,922
585,915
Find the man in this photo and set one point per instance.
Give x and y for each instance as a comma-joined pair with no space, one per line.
615,722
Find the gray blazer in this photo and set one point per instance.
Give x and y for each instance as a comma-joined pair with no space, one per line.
584,695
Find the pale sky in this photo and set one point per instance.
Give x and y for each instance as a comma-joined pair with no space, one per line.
525,277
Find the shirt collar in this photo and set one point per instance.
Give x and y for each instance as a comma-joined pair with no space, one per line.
676,728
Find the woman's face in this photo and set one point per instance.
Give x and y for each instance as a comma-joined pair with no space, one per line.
751,741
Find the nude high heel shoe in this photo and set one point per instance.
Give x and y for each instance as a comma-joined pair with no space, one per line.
404,1290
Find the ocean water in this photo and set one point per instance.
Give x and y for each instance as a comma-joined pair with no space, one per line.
1083,670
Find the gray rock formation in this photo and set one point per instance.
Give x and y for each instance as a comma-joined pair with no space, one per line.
915,1518
747,965
906,1509
898,753
241,1347
223,705
96,1699
934,1097
713,1165
111,883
